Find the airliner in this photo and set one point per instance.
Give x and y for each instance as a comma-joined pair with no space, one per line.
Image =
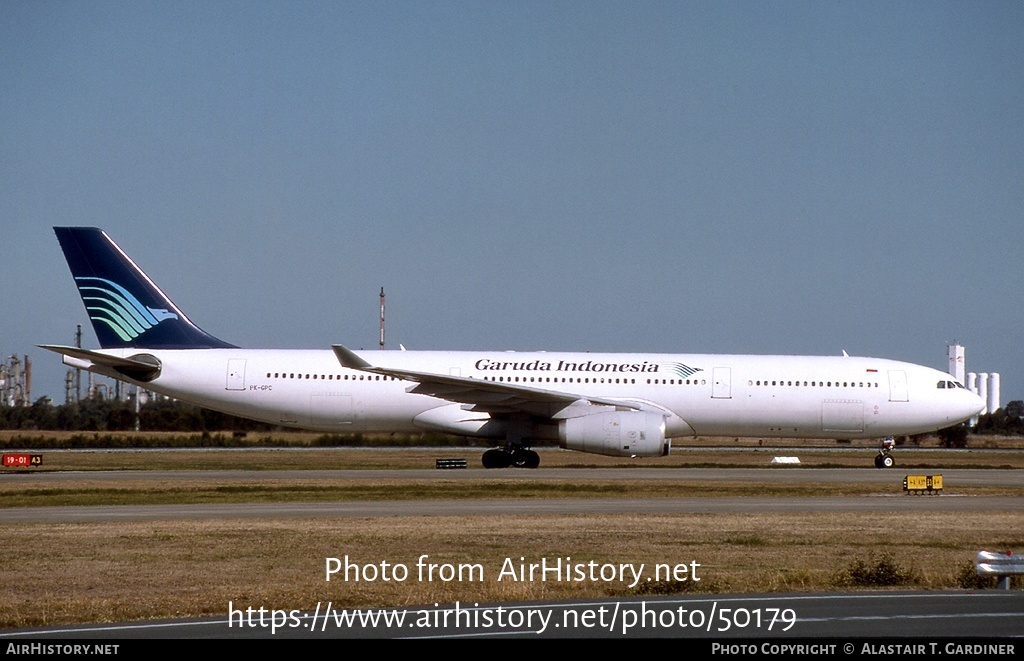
618,404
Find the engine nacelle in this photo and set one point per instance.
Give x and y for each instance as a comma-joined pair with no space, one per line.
616,433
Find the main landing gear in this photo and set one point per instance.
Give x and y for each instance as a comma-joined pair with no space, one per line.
514,453
519,457
884,458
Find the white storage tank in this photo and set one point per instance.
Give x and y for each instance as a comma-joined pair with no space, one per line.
983,390
993,392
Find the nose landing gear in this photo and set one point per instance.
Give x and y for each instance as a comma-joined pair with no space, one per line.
884,458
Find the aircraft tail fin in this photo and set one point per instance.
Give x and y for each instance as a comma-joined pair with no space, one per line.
126,308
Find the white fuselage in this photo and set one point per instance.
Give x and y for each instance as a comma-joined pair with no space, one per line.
699,394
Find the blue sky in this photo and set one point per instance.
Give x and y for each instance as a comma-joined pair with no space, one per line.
728,177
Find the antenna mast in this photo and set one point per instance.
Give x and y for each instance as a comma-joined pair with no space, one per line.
382,318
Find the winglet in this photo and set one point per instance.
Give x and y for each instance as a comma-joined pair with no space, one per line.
349,359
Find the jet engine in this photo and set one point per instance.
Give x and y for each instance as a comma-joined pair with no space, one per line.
616,433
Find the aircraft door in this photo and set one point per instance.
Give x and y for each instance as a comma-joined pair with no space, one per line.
721,383
898,386
236,374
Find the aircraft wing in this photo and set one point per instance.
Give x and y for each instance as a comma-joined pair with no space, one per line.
485,396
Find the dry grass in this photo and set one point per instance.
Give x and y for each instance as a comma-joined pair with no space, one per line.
58,573
121,571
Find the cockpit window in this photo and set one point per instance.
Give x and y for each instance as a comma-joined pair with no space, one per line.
941,384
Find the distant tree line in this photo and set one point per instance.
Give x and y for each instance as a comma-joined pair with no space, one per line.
1008,420
99,414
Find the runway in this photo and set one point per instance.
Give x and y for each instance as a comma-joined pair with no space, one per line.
197,512
781,475
935,619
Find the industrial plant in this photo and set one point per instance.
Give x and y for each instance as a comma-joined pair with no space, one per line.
982,384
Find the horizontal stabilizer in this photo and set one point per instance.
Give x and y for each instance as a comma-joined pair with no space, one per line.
141,367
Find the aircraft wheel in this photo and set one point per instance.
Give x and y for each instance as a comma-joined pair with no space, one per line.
878,461
526,459
888,461
496,459
523,458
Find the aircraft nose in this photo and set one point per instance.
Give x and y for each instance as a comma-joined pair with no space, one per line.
966,407
974,404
